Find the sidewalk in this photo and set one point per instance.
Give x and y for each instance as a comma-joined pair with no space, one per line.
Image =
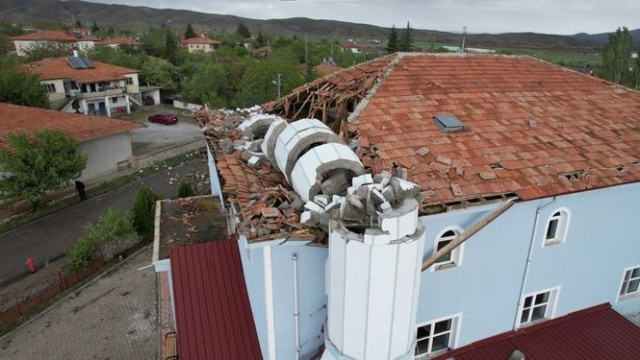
112,318
48,237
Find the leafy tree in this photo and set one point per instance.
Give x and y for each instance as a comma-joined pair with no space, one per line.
406,40
20,87
47,50
257,87
171,47
189,33
243,30
162,74
208,85
77,24
617,55
634,80
82,254
95,28
392,45
119,57
261,40
144,211
47,161
5,44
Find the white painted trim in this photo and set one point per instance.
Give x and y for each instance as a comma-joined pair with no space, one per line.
455,332
554,291
456,255
563,226
625,297
268,295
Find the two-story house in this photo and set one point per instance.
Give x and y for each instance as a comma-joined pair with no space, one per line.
432,202
199,44
77,39
77,84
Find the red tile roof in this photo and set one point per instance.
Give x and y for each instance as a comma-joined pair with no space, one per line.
83,128
598,332
536,129
213,313
54,35
200,41
326,69
350,45
60,68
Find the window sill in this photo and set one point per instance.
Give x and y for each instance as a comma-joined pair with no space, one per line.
551,243
531,323
633,295
445,266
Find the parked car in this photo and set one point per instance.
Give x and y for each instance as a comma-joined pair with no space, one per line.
164,118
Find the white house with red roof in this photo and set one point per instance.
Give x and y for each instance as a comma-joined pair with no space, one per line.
77,84
351,46
106,142
419,203
199,44
78,39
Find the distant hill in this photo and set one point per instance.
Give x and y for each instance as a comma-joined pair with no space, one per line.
602,38
138,19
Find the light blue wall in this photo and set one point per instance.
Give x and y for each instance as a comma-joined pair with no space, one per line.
602,240
312,299
216,189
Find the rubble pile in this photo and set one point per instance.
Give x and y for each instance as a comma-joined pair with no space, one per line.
367,198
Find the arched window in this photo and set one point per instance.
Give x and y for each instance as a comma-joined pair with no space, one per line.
452,258
556,230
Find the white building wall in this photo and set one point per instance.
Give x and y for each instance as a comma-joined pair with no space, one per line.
104,155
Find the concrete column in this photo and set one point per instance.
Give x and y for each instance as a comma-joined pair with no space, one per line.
126,98
107,106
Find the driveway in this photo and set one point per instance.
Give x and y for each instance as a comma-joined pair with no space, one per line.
112,318
48,237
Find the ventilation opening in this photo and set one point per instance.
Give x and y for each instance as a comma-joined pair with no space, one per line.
496,166
449,123
573,176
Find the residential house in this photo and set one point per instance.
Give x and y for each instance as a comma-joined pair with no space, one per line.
77,84
106,142
351,46
199,44
79,40
435,201
261,51
120,42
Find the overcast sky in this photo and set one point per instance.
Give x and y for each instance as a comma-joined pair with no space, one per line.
494,16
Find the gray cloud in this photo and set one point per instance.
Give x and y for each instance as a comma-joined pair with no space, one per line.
543,16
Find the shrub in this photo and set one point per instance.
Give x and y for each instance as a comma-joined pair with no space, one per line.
82,254
144,211
185,190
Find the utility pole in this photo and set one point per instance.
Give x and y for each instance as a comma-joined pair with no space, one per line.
278,83
464,38
306,50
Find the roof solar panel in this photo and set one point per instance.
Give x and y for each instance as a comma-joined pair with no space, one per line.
74,61
87,63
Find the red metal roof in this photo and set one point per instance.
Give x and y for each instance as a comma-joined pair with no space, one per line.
213,313
598,332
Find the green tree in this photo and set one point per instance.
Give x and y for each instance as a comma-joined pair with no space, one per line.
208,85
95,28
189,33
144,211
406,40
47,161
257,84
171,47
261,40
392,45
243,30
162,74
47,50
616,56
634,80
20,87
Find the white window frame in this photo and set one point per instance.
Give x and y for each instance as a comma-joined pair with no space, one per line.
51,88
551,306
562,229
454,332
456,255
631,295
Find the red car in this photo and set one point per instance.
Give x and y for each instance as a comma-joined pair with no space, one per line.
164,118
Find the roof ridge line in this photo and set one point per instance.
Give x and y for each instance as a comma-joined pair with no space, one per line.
353,117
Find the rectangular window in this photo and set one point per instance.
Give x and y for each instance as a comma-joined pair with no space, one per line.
551,231
631,282
129,81
538,306
436,337
51,88
114,100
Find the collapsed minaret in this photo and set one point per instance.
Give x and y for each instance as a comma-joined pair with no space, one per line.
375,239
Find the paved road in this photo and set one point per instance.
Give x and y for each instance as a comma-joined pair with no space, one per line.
48,237
157,136
113,318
